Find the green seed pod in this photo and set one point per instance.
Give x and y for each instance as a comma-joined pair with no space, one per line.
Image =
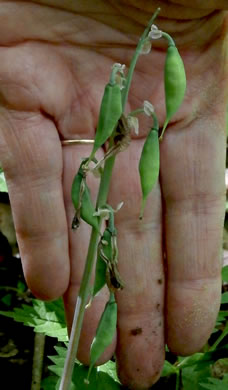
175,83
104,251
81,198
105,332
149,166
110,112
100,275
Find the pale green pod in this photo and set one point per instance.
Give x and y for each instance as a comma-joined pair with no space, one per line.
105,332
175,83
149,166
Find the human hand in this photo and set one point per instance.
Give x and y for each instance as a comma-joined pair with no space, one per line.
54,65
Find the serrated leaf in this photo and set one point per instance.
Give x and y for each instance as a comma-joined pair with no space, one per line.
222,316
110,369
168,369
57,370
194,375
7,299
216,384
3,185
101,378
225,273
106,382
49,383
191,378
224,297
45,317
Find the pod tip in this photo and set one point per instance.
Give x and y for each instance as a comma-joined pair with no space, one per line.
142,209
163,130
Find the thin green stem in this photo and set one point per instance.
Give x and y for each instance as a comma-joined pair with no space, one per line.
220,338
155,124
136,112
168,38
135,58
178,380
85,283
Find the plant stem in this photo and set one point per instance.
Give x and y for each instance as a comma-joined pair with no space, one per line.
135,57
178,380
168,38
38,355
101,201
85,283
220,338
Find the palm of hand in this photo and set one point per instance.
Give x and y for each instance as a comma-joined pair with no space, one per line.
53,90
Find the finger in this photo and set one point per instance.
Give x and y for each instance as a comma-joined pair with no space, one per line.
210,4
192,177
140,303
78,247
32,160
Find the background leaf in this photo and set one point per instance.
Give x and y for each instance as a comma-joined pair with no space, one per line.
216,384
225,273
3,186
224,297
45,317
101,378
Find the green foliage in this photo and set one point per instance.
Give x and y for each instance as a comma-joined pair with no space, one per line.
45,317
225,274
197,369
7,299
195,372
49,383
168,369
216,384
224,297
101,378
3,186
191,378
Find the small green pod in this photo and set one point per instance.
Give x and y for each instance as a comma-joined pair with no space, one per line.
175,83
110,112
149,166
105,332
82,200
104,251
100,275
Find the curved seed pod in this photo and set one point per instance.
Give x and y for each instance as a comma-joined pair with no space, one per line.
110,112
82,201
100,275
149,166
104,254
88,209
105,332
175,83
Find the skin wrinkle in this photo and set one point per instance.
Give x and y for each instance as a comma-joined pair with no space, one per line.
199,4
167,10
75,28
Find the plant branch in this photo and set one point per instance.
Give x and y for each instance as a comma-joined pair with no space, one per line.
220,338
135,58
101,201
38,356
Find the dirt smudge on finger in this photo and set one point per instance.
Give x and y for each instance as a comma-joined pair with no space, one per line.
136,331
